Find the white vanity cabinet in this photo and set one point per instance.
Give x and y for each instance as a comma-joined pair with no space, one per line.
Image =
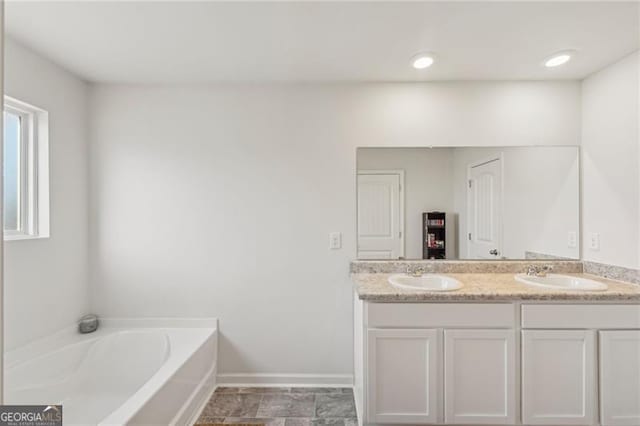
513,363
437,364
581,364
403,375
558,377
620,377
479,377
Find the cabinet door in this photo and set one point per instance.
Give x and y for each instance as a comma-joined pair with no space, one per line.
620,378
479,378
558,377
402,373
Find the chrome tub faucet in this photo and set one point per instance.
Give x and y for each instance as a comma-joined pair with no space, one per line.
88,324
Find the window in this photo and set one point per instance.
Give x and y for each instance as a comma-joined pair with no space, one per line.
25,171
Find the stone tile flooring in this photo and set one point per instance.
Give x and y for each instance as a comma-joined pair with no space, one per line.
271,406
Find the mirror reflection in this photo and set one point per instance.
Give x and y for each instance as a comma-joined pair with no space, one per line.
468,203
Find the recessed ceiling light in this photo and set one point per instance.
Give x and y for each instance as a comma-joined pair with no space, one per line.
422,61
558,59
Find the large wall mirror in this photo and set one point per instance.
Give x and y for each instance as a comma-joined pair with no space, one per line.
468,203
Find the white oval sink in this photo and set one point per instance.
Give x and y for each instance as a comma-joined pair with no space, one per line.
430,282
562,282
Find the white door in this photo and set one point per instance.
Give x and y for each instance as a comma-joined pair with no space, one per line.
558,377
484,197
479,377
402,373
620,378
379,216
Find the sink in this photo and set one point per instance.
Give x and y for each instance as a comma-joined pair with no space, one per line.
430,282
562,282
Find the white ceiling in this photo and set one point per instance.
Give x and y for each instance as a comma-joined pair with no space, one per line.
179,41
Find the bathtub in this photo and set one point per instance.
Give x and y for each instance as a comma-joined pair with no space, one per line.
130,371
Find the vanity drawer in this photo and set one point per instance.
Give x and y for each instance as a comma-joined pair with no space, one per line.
581,316
440,315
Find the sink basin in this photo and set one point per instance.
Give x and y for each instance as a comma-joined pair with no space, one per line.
562,282
430,282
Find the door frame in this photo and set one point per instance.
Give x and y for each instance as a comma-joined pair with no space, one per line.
498,157
400,173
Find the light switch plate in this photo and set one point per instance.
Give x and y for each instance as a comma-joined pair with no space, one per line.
335,240
572,239
594,241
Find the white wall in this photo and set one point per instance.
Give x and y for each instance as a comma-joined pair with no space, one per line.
218,199
541,203
428,174
610,153
46,280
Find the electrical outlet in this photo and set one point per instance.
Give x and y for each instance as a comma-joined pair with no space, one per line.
572,239
594,241
335,240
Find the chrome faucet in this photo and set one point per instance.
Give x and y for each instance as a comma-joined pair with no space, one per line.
539,271
415,272
419,271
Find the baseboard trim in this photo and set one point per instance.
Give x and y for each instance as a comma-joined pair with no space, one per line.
285,380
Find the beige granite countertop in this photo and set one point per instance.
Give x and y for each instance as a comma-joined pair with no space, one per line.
488,287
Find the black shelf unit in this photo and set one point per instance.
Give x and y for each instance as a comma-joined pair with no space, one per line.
434,233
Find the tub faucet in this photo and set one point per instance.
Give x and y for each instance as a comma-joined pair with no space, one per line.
88,324
539,271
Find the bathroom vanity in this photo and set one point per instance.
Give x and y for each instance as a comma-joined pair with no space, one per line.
496,351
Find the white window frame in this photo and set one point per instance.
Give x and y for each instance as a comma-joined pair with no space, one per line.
34,171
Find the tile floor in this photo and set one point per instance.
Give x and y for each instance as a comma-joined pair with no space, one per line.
281,406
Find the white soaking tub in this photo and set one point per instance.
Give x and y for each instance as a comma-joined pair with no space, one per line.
130,371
